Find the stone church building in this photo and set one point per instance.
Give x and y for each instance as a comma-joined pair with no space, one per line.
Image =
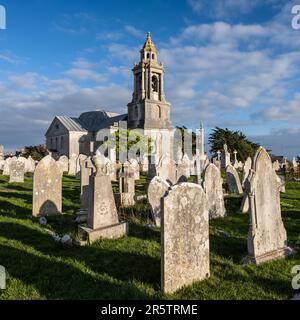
148,111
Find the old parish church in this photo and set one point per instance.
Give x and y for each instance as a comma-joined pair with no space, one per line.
148,111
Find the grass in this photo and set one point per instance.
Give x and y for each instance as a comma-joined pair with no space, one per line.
129,268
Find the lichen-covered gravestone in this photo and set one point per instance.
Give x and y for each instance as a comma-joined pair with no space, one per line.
103,220
16,171
47,188
267,239
63,162
156,191
213,187
184,237
233,180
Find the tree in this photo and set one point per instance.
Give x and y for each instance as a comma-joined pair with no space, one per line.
235,140
36,152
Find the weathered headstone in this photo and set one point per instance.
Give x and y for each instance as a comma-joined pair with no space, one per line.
29,165
183,169
185,237
47,188
246,170
156,191
145,163
126,195
213,187
276,165
281,180
63,162
16,171
79,159
73,165
225,157
233,180
6,167
245,205
135,168
267,239
86,170
103,221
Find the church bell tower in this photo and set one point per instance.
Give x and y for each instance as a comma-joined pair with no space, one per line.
149,108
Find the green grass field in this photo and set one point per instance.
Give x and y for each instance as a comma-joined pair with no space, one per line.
129,268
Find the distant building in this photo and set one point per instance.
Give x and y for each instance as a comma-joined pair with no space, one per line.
148,110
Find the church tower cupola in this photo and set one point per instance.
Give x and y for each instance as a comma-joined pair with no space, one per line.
148,108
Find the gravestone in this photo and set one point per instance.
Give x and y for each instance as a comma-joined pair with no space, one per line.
126,195
80,158
135,168
103,221
245,205
63,162
276,165
233,180
73,165
246,170
112,172
183,169
213,187
16,171
145,163
47,188
2,163
184,237
86,170
29,165
166,168
267,239
6,167
156,191
281,180
225,157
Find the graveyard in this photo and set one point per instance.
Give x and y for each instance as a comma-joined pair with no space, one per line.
149,167
129,268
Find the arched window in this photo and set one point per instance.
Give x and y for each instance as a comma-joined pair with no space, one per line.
136,112
148,55
154,84
62,142
56,143
153,56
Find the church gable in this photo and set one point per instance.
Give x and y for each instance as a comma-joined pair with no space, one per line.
63,125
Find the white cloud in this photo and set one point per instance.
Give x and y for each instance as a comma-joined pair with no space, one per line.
228,8
84,75
135,32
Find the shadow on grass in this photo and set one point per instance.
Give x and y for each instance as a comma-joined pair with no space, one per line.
228,247
55,279
9,209
102,258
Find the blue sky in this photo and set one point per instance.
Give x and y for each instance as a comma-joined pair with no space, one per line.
228,63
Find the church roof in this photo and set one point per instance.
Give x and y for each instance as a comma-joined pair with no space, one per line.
71,124
100,119
92,121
